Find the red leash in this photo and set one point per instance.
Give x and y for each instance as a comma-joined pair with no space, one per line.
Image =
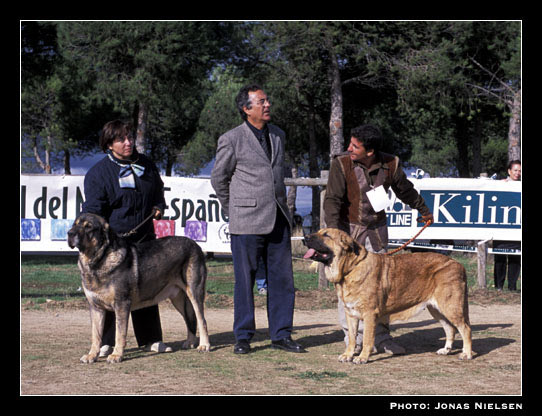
427,224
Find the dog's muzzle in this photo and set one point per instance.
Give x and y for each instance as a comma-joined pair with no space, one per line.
316,251
73,239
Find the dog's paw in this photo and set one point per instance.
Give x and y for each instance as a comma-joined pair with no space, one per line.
360,360
114,358
345,358
89,358
204,348
188,344
444,351
465,356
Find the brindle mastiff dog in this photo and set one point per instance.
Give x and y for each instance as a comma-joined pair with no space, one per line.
375,286
119,276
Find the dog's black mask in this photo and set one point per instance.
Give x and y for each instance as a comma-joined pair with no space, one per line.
89,233
318,251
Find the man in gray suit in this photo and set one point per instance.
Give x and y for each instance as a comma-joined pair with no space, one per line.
248,178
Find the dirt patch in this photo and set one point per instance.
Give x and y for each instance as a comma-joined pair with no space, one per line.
54,337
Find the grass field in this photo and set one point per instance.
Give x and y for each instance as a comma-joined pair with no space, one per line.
57,278
55,332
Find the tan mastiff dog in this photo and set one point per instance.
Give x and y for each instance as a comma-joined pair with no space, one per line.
374,286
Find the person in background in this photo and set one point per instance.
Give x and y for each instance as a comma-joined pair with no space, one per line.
261,278
248,178
352,175
125,188
508,264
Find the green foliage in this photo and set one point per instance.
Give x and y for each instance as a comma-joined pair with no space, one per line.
56,115
438,86
441,91
160,67
219,114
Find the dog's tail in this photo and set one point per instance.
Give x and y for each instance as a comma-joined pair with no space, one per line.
203,274
197,266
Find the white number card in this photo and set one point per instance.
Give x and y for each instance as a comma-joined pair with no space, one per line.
378,198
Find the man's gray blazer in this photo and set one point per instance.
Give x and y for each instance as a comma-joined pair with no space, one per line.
249,186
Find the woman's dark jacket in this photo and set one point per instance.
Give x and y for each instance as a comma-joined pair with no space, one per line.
124,208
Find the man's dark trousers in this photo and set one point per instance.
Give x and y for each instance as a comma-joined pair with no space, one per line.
275,249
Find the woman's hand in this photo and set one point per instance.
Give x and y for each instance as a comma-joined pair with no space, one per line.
157,213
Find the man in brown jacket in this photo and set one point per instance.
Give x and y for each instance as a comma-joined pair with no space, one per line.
353,174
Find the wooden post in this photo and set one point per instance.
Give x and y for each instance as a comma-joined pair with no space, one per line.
482,259
322,281
321,181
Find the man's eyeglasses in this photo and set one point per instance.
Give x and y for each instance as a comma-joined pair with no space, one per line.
262,102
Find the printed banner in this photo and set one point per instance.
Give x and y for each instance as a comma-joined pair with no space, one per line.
453,247
464,209
50,204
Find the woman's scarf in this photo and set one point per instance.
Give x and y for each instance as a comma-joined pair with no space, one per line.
127,170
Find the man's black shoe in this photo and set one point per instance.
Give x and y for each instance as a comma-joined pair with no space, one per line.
287,344
241,347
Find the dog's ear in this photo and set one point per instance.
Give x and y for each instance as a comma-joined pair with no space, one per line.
349,244
106,237
356,248
107,233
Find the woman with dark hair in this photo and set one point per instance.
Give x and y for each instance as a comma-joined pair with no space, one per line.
125,188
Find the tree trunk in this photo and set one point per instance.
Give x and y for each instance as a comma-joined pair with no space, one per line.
141,132
462,145
48,155
313,167
477,150
292,194
170,163
336,139
46,166
514,129
67,166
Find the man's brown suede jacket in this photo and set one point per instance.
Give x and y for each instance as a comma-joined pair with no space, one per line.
346,204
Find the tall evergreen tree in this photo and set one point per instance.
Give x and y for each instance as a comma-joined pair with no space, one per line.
438,86
154,72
